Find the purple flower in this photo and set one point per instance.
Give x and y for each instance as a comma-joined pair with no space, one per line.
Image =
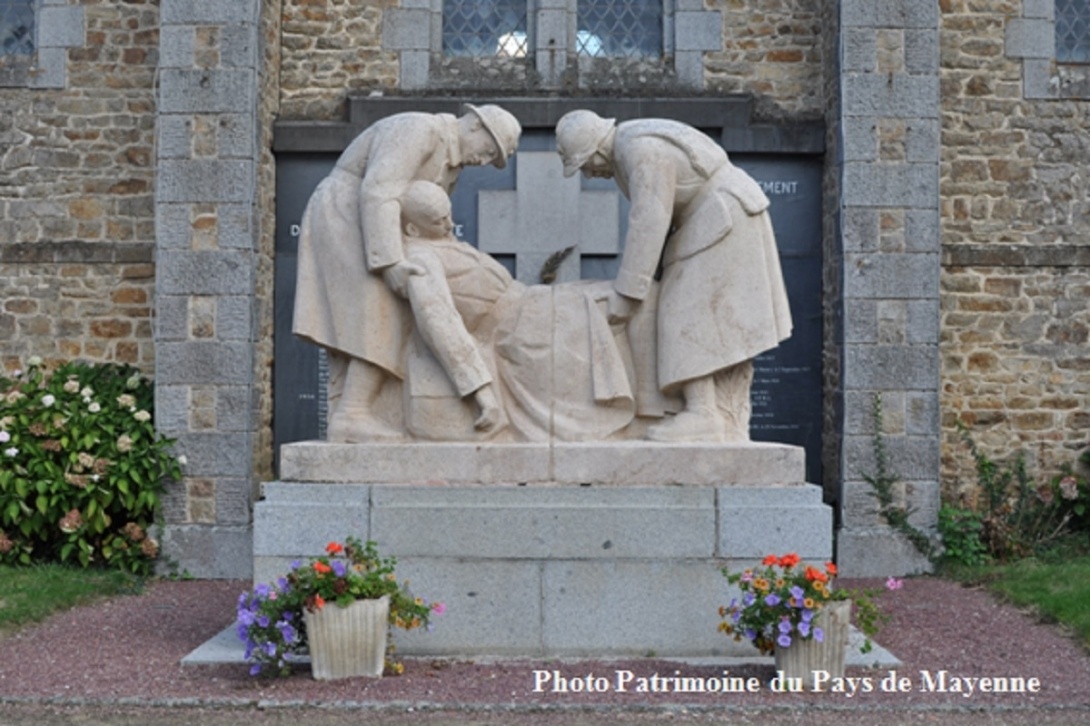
262,620
807,615
270,649
784,640
261,590
751,634
339,568
245,617
797,593
748,599
804,629
282,583
785,627
286,631
255,670
772,600
819,635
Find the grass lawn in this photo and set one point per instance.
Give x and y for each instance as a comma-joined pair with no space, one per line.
1058,591
30,594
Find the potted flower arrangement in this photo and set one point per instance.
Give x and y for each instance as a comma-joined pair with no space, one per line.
789,609
338,607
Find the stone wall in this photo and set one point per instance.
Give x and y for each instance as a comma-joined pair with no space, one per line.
774,50
770,48
329,49
76,189
1015,211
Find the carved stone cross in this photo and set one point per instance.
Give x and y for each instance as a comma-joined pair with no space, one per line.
545,214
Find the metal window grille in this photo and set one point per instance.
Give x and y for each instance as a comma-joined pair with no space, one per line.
16,27
1073,31
485,28
620,28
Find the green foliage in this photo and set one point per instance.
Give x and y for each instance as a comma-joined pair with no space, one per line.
270,617
81,466
782,602
1017,516
961,530
882,482
33,593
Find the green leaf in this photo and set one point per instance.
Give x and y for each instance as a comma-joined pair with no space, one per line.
43,504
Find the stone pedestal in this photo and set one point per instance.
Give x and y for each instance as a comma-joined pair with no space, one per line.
597,549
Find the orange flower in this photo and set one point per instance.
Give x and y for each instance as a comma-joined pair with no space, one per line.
830,568
321,567
813,574
334,548
769,560
790,560
319,602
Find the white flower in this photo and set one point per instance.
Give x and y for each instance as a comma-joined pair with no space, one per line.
71,386
87,392
17,373
48,400
11,451
133,382
141,416
4,436
124,443
86,400
126,400
94,408
34,361
182,460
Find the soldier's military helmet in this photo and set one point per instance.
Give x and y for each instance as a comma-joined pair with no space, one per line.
578,135
503,127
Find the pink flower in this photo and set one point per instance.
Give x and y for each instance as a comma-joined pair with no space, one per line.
894,584
439,608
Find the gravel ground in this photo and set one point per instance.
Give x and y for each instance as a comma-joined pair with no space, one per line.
118,662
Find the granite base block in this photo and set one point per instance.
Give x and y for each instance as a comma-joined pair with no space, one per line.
530,564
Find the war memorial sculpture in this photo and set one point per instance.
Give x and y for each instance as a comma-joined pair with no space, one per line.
537,452
386,289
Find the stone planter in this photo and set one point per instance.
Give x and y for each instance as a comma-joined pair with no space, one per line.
805,656
348,642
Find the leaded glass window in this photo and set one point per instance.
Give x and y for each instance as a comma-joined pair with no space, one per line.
1073,31
484,28
16,27
619,28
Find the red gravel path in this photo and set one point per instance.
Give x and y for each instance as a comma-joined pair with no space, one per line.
127,651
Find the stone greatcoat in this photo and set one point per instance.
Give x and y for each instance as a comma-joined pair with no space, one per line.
723,299
351,231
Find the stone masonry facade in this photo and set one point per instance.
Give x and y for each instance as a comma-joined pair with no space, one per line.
77,176
137,193
1016,220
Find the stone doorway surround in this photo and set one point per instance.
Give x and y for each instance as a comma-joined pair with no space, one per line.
881,144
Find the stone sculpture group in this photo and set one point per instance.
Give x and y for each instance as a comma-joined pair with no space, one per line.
428,338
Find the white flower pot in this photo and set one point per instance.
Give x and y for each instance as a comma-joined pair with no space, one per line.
348,642
805,656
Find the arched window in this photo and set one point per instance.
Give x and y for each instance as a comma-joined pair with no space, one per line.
1073,31
16,28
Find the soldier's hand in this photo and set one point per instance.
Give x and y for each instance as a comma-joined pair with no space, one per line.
397,276
620,308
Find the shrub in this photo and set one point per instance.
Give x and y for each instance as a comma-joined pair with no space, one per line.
961,530
1014,516
81,466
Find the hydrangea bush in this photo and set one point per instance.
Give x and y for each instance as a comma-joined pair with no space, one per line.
270,618
81,466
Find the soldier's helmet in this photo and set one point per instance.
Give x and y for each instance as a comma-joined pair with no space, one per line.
503,127
578,134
